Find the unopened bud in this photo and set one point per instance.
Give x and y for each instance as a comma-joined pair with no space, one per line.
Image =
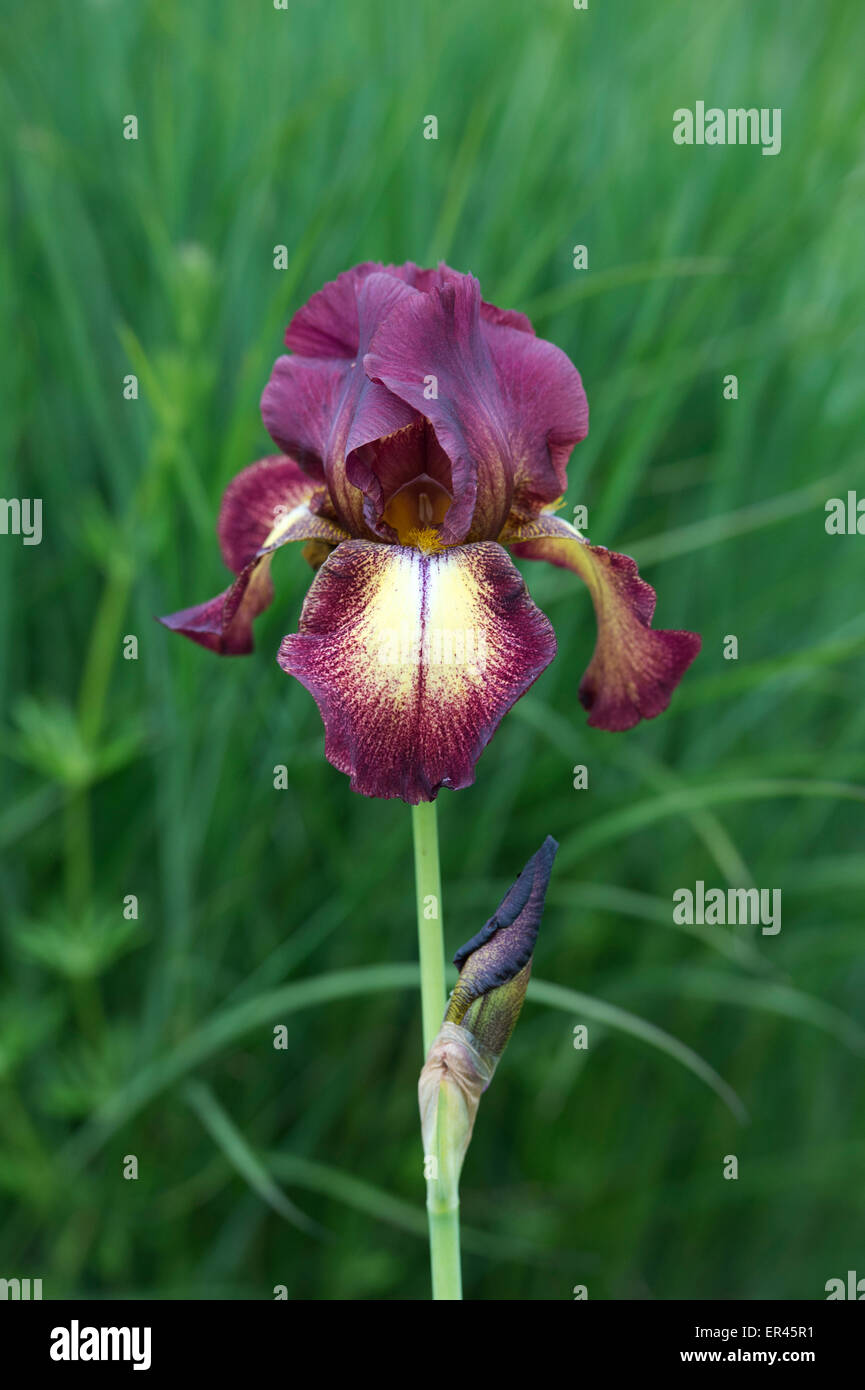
484,1006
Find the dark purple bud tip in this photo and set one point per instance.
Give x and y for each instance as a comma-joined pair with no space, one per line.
502,951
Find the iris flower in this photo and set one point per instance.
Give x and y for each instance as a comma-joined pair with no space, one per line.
421,431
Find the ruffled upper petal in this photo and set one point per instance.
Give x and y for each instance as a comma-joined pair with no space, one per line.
298,407
506,406
634,669
426,280
413,658
508,318
546,410
320,410
439,335
264,507
327,324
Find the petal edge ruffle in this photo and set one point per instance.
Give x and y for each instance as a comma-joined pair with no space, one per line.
634,668
224,624
261,501
413,659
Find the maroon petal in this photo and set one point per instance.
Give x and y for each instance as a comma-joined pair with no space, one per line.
427,280
634,669
510,406
413,658
327,325
320,410
224,624
258,498
546,409
439,334
299,405
399,470
508,318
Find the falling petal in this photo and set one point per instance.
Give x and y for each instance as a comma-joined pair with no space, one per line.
413,658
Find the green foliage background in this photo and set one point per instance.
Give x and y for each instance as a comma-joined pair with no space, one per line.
261,907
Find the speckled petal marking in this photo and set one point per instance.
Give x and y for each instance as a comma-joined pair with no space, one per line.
635,668
413,659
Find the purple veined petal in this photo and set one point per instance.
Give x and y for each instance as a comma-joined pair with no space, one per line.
413,659
506,406
224,624
507,318
327,324
320,410
396,474
299,405
635,668
268,495
432,352
427,280
546,410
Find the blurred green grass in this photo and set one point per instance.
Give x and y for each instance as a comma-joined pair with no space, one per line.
154,777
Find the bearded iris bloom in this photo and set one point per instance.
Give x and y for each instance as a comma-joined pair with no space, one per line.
421,432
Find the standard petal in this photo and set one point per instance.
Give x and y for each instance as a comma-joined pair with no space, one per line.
432,352
413,658
506,406
299,405
634,669
546,409
271,496
510,318
326,325
320,410
427,280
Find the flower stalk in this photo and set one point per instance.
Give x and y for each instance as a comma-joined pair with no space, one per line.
442,1195
429,917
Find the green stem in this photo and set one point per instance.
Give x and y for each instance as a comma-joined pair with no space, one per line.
429,919
443,1214
442,1206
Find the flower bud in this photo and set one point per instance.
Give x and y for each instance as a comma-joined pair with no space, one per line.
483,1009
